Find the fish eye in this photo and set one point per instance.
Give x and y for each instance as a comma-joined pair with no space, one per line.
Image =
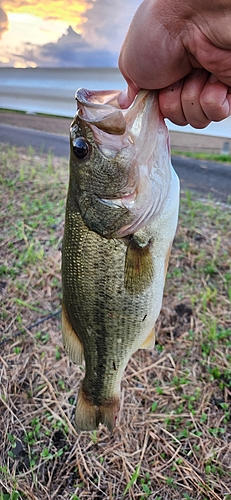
80,148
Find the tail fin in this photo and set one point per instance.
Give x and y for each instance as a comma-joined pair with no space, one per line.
88,416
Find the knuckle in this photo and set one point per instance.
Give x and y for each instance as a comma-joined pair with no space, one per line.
215,110
174,114
196,117
208,102
171,108
199,124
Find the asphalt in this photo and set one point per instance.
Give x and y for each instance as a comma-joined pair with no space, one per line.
204,177
41,142
200,176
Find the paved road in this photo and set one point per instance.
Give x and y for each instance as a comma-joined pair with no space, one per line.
200,176
41,142
204,177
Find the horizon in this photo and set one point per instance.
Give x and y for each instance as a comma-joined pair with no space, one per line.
85,68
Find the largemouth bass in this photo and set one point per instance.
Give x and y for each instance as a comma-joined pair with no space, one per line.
121,218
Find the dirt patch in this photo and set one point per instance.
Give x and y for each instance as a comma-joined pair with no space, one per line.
48,124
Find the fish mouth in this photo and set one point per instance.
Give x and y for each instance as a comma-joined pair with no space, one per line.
110,124
101,109
143,203
102,101
139,136
123,202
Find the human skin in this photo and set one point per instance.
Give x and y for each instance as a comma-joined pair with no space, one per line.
182,48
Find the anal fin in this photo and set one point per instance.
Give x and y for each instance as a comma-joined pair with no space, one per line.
149,341
71,340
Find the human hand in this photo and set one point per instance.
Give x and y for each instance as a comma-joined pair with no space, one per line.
182,48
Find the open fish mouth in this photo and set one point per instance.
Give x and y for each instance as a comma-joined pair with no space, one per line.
102,110
138,137
111,125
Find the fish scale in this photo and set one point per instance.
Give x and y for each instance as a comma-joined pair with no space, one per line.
112,286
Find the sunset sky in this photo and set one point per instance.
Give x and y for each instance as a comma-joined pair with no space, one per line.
63,33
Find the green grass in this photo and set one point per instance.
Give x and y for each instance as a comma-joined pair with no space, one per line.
32,229
13,111
21,112
173,435
221,158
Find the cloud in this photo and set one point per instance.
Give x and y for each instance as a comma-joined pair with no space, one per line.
100,21
71,50
71,11
3,21
108,21
94,37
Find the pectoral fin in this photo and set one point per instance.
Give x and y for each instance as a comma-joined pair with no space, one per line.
138,273
71,341
149,341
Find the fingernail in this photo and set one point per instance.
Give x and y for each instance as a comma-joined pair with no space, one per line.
213,79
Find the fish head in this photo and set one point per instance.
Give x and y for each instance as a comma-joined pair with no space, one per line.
120,169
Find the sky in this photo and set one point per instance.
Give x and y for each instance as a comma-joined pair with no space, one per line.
63,33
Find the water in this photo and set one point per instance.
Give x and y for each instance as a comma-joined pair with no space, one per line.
58,79
52,91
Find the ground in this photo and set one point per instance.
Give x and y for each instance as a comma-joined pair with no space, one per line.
172,439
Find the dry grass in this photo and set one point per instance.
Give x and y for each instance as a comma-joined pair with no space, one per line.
173,439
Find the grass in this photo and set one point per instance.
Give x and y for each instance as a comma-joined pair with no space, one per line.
13,111
221,158
21,112
172,440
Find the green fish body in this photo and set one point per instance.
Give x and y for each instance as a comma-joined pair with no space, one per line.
121,217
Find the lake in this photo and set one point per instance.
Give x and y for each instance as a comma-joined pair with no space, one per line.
52,91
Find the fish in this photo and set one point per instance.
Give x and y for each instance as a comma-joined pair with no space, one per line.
120,222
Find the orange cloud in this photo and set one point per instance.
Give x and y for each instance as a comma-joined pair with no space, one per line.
3,21
71,11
